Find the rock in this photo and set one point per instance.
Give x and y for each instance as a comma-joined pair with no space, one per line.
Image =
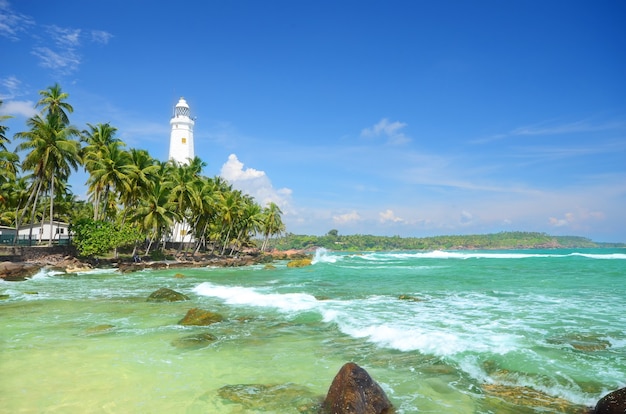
353,391
581,342
504,398
199,317
15,272
612,403
409,298
166,295
100,329
194,341
71,265
299,262
283,398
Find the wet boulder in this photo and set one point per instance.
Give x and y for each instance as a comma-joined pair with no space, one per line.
612,403
15,272
353,391
166,295
200,317
299,262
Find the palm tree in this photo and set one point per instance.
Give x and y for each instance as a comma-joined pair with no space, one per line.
8,159
53,153
185,184
156,213
99,140
272,223
110,176
146,171
52,101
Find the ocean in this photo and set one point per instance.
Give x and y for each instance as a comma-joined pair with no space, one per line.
528,331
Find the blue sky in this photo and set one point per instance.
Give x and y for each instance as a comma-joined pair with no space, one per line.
410,118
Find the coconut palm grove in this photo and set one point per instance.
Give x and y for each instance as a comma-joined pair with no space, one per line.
133,199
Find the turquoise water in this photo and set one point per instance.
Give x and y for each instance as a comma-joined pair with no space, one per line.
461,332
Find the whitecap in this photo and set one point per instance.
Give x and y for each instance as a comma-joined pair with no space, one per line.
239,295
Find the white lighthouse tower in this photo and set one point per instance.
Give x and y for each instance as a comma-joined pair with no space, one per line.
181,151
181,136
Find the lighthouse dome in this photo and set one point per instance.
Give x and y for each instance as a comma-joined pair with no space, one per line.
182,109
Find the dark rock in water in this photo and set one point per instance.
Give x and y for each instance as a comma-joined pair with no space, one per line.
500,398
99,329
353,391
17,272
199,317
581,342
194,341
612,403
284,398
166,295
409,298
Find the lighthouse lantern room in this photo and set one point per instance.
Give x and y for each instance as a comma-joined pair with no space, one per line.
181,136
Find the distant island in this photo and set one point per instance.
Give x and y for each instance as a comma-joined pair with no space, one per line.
504,240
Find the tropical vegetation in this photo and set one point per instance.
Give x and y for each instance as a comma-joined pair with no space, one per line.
134,201
504,240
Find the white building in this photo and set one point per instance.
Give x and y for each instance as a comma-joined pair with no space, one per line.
41,232
181,151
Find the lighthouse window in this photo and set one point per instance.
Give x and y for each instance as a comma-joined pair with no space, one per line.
184,140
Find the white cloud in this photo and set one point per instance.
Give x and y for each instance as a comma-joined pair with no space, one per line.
353,216
388,215
65,37
390,130
255,183
12,23
65,61
100,36
18,108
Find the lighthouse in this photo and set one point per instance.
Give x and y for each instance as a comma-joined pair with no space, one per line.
181,135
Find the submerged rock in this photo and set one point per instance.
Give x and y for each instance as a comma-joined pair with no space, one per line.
99,329
194,341
581,342
283,398
200,317
353,391
409,298
166,295
612,403
508,398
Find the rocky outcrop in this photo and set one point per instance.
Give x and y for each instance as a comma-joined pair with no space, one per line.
14,272
166,295
353,391
612,403
200,317
71,265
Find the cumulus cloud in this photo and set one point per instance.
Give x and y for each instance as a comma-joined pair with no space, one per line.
255,183
388,215
353,216
392,131
18,108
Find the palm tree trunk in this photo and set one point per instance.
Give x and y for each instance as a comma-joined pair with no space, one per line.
32,215
51,207
21,218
